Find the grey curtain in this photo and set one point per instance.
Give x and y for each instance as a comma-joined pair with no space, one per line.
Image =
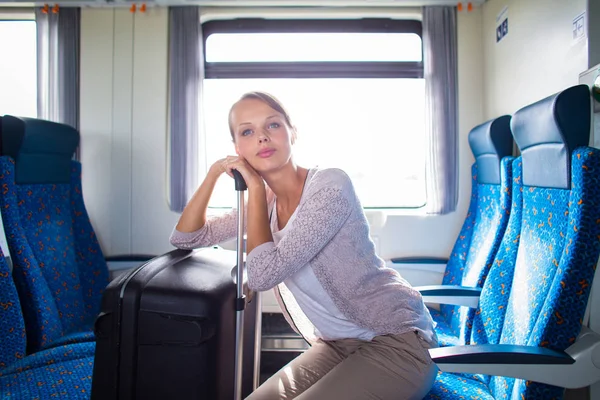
440,65
186,69
58,65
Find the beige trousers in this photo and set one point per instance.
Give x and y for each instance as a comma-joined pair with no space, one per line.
394,367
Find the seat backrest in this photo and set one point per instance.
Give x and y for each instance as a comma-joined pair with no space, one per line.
12,325
559,243
487,217
59,268
489,317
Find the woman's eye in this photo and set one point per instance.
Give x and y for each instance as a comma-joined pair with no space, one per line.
246,132
274,125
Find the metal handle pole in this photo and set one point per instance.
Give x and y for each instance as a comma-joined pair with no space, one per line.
240,303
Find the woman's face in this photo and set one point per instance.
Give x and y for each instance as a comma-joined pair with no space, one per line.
261,135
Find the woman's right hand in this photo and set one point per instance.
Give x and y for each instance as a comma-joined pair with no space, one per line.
229,163
219,166
193,216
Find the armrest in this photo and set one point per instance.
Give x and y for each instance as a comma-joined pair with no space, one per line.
450,294
498,354
419,260
574,368
431,264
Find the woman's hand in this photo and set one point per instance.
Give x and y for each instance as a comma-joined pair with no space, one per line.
252,178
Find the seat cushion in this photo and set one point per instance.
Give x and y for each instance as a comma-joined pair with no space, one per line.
50,356
70,379
449,386
446,336
74,338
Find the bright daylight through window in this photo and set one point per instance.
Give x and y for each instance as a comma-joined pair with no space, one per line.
372,125
18,78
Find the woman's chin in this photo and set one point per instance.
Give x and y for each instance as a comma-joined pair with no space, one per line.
268,167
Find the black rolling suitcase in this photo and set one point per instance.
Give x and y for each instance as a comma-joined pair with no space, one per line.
179,327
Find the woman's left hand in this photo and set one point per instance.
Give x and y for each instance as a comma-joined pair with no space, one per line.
252,178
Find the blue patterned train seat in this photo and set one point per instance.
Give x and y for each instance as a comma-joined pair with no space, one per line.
54,373
533,302
12,326
59,268
483,229
489,318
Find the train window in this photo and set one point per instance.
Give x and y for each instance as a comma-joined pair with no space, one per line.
324,47
354,89
18,71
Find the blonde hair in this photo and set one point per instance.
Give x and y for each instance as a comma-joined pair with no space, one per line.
266,98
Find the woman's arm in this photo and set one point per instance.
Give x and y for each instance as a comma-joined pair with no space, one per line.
318,220
193,216
216,230
259,229
194,229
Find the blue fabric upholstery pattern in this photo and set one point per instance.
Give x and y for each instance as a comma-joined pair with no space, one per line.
478,243
46,219
63,370
444,332
454,269
12,325
56,372
555,268
459,386
34,292
460,251
53,355
558,246
489,318
92,267
70,379
59,291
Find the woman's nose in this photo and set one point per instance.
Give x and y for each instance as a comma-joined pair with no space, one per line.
263,138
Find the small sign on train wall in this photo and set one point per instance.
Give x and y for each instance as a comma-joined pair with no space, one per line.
502,24
579,27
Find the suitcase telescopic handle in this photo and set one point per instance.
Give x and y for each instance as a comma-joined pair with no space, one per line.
240,303
240,183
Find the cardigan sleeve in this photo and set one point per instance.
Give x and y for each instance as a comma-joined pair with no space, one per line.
319,218
217,229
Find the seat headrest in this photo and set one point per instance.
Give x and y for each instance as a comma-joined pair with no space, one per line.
490,142
42,150
548,131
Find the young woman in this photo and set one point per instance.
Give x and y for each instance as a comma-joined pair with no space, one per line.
308,238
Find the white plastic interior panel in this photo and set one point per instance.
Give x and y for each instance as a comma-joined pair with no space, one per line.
242,3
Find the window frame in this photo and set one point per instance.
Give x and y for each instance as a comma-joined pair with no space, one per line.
323,69
319,69
17,14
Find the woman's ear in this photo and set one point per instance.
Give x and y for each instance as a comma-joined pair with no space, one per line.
294,135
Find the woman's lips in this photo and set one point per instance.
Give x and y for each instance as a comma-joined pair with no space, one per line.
266,153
